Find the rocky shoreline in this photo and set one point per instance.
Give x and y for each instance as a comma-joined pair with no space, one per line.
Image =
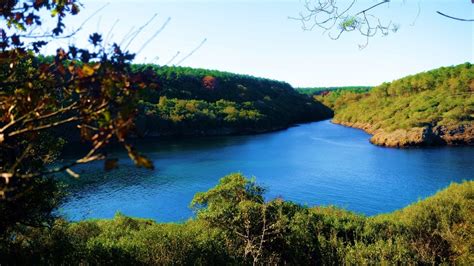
419,136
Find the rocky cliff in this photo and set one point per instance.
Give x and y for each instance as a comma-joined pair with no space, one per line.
418,136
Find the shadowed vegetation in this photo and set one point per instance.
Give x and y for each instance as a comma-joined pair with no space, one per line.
208,102
235,225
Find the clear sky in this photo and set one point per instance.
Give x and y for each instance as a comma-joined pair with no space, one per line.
257,38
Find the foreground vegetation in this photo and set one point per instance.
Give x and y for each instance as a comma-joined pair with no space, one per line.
435,107
235,225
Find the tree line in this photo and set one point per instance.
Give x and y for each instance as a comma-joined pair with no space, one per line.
440,97
202,102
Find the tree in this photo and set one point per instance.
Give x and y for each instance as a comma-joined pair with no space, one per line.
338,18
254,227
91,93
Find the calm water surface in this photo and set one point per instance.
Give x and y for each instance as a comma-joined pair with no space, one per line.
317,163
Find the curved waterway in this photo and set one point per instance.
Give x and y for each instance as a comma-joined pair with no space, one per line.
312,164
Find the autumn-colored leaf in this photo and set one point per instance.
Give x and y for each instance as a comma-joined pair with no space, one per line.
71,68
61,69
86,133
142,161
122,133
138,159
110,164
87,71
35,90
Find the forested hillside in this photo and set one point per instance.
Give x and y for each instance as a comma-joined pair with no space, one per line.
207,102
434,107
326,90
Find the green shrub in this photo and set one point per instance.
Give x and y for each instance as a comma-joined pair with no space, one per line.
236,225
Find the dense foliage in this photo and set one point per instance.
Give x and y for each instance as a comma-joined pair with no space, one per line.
202,102
327,90
339,98
92,90
441,97
235,225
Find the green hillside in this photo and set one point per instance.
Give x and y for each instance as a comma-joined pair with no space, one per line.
325,90
434,107
207,102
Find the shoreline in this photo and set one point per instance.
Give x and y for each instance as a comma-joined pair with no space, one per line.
462,135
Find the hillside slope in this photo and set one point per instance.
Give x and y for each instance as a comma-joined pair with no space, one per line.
207,102
326,90
430,108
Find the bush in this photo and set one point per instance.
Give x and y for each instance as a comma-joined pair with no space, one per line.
235,225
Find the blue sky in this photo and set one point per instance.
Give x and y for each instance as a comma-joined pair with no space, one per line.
257,38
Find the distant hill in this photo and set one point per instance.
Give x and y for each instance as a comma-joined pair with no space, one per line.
325,90
429,108
208,102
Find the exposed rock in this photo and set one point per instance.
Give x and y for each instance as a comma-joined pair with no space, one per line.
460,135
418,136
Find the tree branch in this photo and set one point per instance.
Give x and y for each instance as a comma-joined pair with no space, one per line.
43,127
455,18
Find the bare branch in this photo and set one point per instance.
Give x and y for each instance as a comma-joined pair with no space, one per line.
71,107
136,33
192,52
327,15
455,18
43,127
173,58
67,36
154,35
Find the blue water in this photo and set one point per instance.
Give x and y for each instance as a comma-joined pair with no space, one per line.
314,164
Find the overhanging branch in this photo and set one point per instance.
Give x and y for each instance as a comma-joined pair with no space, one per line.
455,18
